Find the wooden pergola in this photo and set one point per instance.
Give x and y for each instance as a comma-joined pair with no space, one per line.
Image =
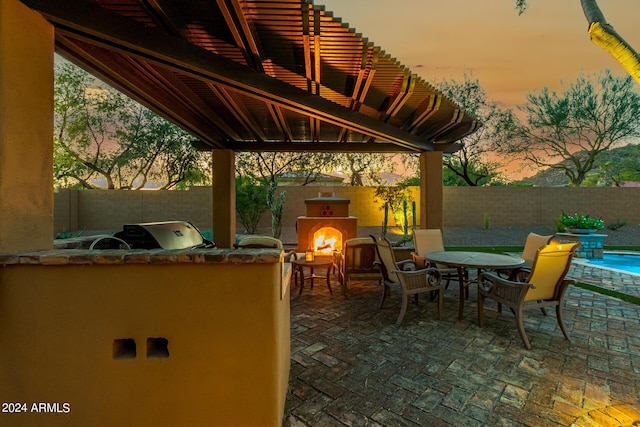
255,75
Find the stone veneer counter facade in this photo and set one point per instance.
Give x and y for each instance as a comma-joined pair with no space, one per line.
141,256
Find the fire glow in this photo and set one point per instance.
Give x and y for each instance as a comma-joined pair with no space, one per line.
326,240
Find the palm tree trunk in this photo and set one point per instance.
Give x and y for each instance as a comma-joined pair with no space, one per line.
603,35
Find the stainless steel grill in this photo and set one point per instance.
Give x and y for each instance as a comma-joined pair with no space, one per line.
163,235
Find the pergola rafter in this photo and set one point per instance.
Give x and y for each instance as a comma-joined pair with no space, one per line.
257,75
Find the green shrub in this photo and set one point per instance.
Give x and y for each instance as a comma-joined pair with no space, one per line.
251,202
581,221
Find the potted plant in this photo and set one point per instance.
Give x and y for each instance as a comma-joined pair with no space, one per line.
581,223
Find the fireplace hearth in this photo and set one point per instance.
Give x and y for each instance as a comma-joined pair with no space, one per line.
326,225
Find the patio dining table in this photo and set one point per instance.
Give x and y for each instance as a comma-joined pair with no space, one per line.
478,260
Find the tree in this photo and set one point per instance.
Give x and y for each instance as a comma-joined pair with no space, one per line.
616,167
251,201
154,149
82,120
591,115
359,167
472,163
270,165
104,139
604,35
365,167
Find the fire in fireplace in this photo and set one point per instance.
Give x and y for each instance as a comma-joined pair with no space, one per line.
326,240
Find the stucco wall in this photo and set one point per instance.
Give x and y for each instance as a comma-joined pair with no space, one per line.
512,206
463,206
107,210
26,128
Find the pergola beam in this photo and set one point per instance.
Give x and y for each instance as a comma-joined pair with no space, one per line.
114,32
185,111
343,147
457,133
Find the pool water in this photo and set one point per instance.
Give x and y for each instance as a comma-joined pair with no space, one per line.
624,262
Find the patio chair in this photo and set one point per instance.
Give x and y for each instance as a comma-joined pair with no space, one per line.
545,287
264,242
531,245
430,240
358,261
411,282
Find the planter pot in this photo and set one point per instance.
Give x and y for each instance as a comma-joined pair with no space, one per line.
582,230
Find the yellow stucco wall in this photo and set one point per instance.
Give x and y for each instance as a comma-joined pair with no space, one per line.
463,206
228,336
26,128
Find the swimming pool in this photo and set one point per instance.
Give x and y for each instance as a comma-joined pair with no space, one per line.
629,262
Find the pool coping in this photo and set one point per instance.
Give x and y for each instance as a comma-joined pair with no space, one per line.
586,262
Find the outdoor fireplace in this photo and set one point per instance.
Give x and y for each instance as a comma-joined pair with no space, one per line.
326,225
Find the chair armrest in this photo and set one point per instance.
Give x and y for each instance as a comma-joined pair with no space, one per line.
489,280
425,279
290,256
406,264
522,274
502,290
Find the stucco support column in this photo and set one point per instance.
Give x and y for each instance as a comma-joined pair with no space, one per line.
224,198
26,129
431,190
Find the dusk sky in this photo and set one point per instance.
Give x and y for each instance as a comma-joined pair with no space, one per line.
508,53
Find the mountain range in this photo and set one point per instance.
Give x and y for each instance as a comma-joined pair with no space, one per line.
556,178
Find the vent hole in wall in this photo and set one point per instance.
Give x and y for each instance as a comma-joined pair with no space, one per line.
157,348
124,348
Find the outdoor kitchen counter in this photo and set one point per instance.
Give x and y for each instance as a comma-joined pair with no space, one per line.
141,256
180,336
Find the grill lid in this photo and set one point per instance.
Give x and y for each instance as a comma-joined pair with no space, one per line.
163,235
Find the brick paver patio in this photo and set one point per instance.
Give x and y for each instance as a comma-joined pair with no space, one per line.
352,366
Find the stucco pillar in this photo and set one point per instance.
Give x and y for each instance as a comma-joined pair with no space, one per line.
224,198
431,190
26,129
